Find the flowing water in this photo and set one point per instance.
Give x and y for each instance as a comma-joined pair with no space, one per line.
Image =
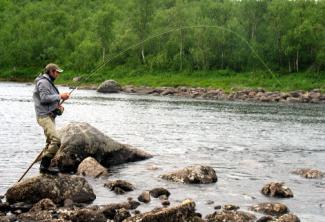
248,144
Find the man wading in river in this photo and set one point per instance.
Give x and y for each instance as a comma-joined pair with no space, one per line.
47,106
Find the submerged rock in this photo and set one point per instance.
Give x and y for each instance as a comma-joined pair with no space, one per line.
81,140
90,167
56,188
193,174
288,218
275,189
309,173
230,216
109,86
119,186
157,192
184,212
274,209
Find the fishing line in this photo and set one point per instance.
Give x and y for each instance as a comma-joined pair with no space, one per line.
170,31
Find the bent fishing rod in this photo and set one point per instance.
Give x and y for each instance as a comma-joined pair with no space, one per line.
108,60
100,66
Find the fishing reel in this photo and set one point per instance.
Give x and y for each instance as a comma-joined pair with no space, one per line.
58,111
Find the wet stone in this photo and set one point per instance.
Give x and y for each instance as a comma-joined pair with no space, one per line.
119,186
157,192
233,216
275,189
274,209
288,218
196,174
265,219
230,207
121,215
209,202
165,203
68,203
44,204
20,207
144,197
309,173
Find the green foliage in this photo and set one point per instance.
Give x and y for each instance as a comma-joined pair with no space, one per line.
288,36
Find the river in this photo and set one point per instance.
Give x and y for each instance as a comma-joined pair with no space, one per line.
248,144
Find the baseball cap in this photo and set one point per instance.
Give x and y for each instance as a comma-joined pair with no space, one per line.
52,66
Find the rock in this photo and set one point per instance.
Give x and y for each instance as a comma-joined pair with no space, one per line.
217,207
4,207
76,79
119,186
274,209
157,192
275,189
8,218
56,188
144,197
20,207
165,203
288,218
85,215
81,140
68,203
193,174
184,212
121,215
124,185
44,204
111,210
309,173
231,216
90,167
265,219
43,215
109,86
230,207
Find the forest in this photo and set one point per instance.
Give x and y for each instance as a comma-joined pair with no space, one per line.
166,35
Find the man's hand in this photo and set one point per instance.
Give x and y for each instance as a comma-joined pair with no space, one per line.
61,108
64,96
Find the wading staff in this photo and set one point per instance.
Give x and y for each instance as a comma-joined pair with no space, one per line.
39,155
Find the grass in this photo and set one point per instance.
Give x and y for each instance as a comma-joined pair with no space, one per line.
221,79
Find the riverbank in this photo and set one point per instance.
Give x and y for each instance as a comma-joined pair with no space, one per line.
225,80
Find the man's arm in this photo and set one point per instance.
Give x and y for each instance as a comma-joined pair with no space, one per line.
45,94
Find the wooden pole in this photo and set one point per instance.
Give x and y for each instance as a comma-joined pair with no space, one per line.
39,155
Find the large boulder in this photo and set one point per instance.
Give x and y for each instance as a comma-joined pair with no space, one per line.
193,174
81,140
109,86
182,213
56,188
275,189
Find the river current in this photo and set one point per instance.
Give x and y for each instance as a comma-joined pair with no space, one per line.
248,144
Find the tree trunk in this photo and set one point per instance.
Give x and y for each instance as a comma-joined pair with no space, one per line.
222,55
103,54
289,66
297,61
181,51
143,56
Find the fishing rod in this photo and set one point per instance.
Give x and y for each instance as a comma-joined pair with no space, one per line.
100,66
167,32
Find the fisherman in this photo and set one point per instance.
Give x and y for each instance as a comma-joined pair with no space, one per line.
47,98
